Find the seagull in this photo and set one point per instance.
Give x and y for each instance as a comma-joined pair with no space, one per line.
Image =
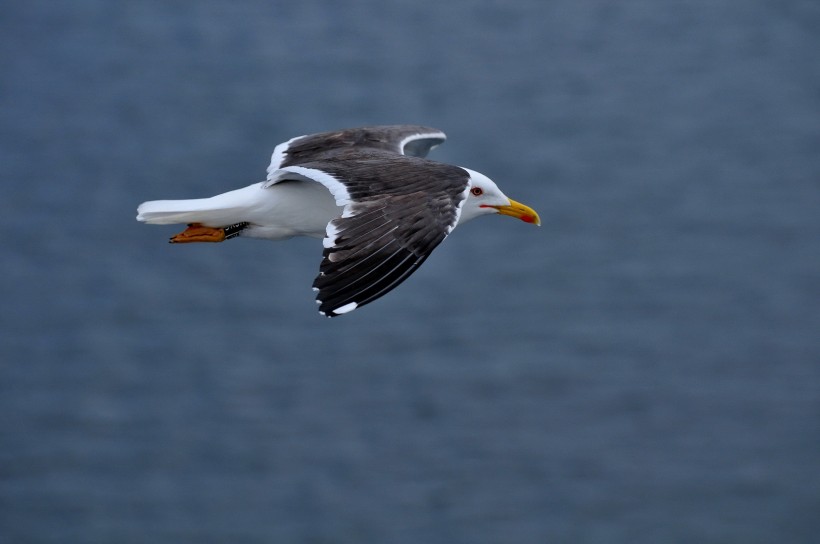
380,206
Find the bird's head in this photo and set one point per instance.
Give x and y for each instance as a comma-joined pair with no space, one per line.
484,197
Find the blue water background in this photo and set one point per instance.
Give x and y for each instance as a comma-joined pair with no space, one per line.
643,368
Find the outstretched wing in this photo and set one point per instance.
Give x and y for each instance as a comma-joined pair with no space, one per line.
409,140
397,209
377,244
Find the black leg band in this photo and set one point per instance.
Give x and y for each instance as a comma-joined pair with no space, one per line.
232,231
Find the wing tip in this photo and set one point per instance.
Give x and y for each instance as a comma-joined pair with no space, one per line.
340,310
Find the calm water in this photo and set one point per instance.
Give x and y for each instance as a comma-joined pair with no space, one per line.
644,368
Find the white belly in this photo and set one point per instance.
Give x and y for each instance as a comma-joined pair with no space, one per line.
289,208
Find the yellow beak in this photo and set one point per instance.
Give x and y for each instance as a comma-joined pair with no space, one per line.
522,212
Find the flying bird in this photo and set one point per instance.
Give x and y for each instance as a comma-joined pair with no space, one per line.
379,204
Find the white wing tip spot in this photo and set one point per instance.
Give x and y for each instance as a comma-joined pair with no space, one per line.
349,307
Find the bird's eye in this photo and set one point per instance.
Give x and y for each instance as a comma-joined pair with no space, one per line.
477,191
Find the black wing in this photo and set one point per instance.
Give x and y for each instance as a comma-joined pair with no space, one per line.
397,209
377,247
409,140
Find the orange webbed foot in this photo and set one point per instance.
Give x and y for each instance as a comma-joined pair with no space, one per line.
198,233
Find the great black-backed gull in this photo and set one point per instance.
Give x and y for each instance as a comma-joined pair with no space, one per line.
380,206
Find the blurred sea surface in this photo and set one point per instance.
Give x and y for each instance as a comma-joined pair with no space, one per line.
645,367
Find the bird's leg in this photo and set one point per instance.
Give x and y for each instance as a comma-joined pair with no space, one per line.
199,233
232,231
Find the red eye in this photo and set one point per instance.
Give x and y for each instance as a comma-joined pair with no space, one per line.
477,191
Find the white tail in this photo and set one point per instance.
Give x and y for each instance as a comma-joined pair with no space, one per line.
279,212
217,211
167,212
